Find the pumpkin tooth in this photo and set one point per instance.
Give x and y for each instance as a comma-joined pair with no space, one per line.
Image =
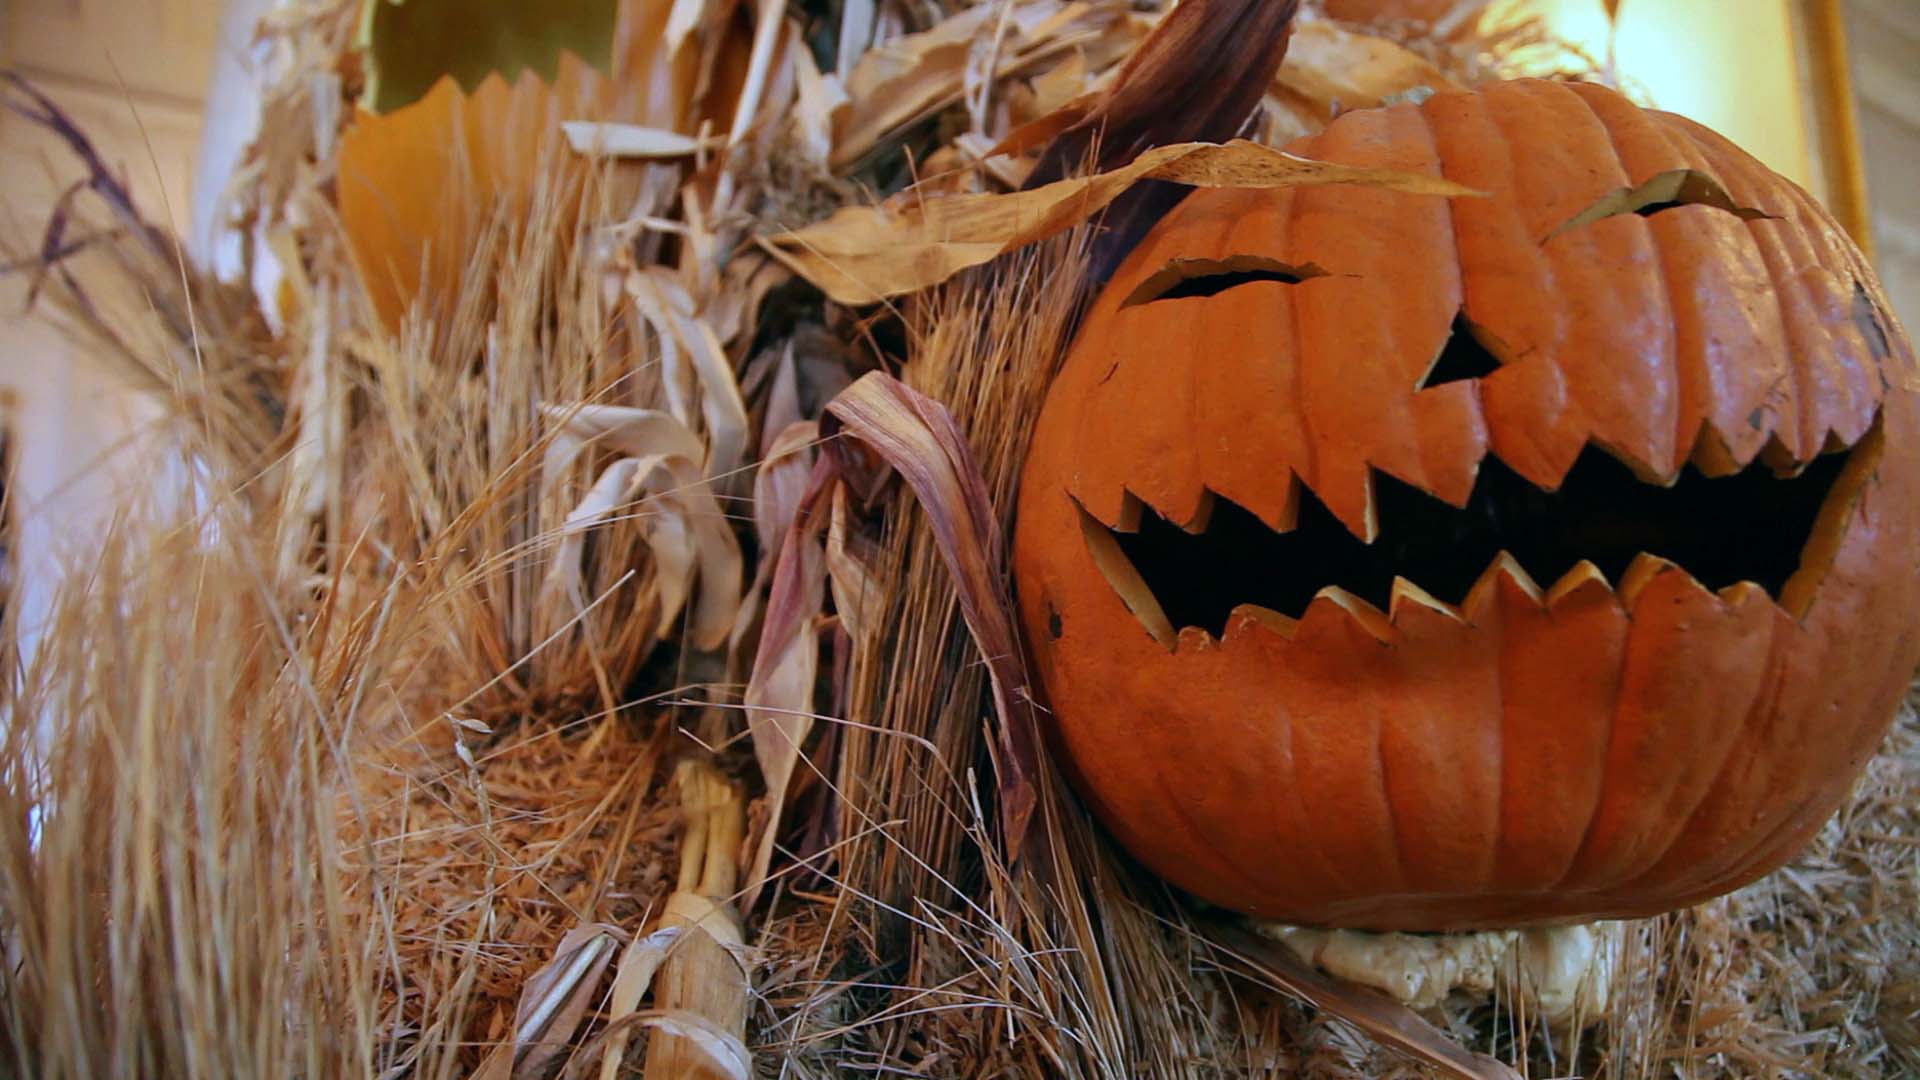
1836,512
1283,516
1713,454
1125,578
1585,577
1406,595
1741,593
1641,572
1249,616
1365,615
1193,639
1202,514
1505,572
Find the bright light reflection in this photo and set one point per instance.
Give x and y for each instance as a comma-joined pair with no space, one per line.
1730,65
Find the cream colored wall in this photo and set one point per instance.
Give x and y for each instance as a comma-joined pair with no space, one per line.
133,73
1884,38
1730,64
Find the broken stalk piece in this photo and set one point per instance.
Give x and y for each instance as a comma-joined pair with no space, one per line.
699,1018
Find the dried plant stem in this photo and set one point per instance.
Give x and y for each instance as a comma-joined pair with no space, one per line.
703,975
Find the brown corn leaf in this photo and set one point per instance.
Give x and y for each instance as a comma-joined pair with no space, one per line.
1375,1013
1197,77
910,79
779,696
553,1003
853,572
1329,68
780,483
723,1055
918,438
862,255
694,365
660,480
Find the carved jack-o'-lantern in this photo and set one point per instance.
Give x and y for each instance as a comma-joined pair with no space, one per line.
1402,562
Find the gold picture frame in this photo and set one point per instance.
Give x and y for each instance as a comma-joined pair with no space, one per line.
1835,118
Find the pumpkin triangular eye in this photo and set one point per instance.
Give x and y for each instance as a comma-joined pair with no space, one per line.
1463,357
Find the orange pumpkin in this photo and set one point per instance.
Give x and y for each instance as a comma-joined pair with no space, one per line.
1399,562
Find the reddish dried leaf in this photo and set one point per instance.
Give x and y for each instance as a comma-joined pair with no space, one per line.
920,440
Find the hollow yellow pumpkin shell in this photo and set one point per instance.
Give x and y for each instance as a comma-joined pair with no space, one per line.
416,186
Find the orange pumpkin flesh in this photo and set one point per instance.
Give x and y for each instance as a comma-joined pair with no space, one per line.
1693,429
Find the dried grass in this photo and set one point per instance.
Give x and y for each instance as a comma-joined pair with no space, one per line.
310,775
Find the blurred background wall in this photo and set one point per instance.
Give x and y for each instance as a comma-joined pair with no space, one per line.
162,86
134,74
1884,57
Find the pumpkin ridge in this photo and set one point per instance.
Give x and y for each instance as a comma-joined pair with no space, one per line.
1869,392
1290,784
1171,798
1684,411
1740,621
1630,728
1766,697
1492,871
1544,435
1396,842
1307,471
1774,238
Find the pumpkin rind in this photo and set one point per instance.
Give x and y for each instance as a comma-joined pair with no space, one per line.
1545,753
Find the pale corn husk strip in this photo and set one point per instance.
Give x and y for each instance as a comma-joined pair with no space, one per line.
865,254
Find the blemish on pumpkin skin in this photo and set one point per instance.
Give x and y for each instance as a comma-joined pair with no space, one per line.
1866,315
1055,627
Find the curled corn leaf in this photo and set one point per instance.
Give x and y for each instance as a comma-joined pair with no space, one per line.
660,480
915,436
779,696
862,255
919,439
553,1004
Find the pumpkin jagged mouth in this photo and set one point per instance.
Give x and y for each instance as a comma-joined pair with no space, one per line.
1777,530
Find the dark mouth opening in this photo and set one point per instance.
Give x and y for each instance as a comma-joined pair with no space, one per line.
1749,526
